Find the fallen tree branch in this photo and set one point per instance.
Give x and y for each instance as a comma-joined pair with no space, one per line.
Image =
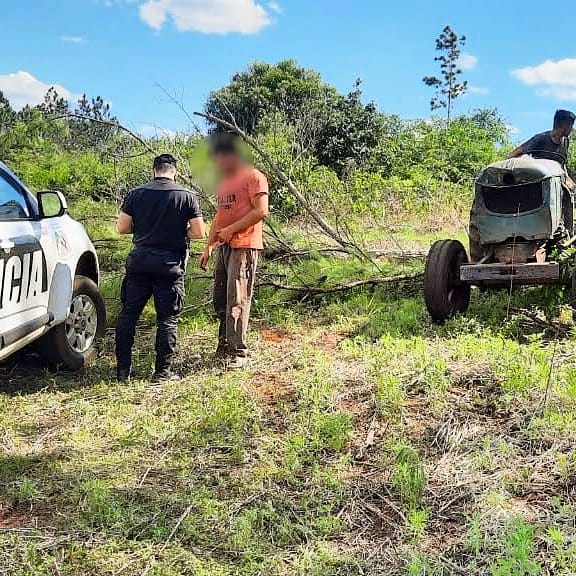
397,255
343,287
110,123
149,149
172,98
271,231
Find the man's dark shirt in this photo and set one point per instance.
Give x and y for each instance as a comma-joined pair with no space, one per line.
543,142
160,213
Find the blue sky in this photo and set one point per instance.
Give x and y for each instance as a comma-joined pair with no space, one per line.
521,57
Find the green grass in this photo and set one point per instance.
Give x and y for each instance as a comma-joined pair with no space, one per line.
362,440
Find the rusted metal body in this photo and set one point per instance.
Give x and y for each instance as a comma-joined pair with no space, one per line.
518,199
517,211
509,275
522,215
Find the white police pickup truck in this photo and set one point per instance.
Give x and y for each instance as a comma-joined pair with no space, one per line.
48,278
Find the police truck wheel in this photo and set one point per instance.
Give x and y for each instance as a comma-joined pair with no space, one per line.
445,294
72,345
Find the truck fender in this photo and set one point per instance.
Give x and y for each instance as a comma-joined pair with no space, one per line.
60,293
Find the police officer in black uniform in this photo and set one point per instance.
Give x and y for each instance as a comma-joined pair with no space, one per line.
162,216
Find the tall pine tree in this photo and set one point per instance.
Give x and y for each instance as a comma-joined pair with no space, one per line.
447,85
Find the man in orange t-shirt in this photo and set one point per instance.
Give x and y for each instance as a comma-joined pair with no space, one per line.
237,233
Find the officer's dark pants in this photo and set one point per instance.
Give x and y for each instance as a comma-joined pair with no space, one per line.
158,274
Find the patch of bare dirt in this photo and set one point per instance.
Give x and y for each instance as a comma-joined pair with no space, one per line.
275,335
273,389
17,515
329,342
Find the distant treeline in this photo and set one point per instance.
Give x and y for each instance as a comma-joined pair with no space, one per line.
333,145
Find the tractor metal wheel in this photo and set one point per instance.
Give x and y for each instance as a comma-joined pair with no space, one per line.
445,294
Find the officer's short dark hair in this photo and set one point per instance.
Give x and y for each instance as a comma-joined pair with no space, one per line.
224,143
163,161
563,118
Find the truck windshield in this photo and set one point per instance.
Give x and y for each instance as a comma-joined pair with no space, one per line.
12,202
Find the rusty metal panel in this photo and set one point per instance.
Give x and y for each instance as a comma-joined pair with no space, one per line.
509,178
505,274
538,224
526,169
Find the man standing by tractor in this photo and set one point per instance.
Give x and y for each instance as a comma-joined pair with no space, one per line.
551,145
236,232
162,216
554,145
554,142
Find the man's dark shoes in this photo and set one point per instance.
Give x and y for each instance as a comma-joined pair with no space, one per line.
237,363
165,376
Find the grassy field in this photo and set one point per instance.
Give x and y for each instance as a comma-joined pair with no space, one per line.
361,441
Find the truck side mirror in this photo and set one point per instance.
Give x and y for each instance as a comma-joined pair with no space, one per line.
51,204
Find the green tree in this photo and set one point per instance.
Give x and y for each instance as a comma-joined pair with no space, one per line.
7,114
93,126
54,104
7,120
424,149
264,89
349,133
338,130
447,87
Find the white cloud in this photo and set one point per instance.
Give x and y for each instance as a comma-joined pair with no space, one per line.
21,89
73,39
478,89
208,16
559,93
154,13
556,78
467,61
512,130
552,73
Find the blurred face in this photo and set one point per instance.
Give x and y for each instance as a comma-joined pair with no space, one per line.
226,162
567,129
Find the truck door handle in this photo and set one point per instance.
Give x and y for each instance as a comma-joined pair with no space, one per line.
6,245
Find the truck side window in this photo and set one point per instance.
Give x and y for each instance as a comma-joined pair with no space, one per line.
12,202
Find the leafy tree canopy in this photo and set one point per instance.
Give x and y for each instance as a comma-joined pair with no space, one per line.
339,129
263,89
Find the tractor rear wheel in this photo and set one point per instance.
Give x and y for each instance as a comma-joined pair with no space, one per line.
445,294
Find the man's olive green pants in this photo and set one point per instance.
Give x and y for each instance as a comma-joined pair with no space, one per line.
234,276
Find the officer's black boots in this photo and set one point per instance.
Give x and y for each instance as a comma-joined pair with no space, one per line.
123,375
158,377
223,350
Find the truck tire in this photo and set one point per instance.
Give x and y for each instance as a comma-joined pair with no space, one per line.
444,293
72,344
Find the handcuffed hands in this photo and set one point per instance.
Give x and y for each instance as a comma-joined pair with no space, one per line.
225,235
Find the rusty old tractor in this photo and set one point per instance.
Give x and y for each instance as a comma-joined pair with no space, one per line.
521,220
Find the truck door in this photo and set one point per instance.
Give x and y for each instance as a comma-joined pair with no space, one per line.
24,274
